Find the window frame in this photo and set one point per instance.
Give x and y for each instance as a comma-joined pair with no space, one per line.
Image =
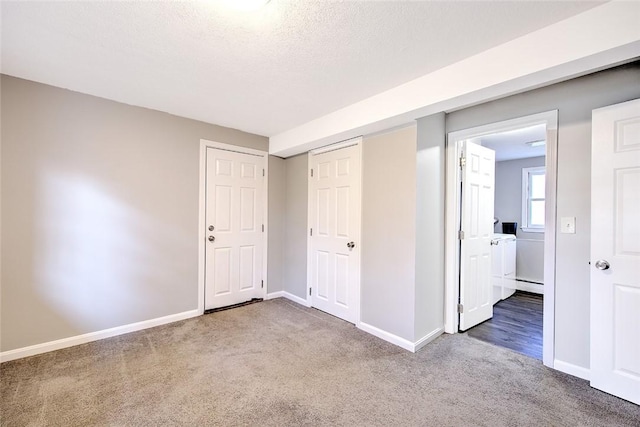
527,199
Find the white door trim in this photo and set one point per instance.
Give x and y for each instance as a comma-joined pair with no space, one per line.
452,220
337,146
331,147
202,203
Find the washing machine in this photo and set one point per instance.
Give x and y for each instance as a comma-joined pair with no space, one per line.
503,265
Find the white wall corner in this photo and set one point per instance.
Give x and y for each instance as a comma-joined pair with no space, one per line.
427,338
273,295
571,369
294,298
33,350
387,336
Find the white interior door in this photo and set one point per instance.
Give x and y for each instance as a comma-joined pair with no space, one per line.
334,241
234,212
615,250
476,289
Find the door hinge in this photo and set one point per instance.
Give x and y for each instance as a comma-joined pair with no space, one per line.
311,232
311,173
263,228
460,308
262,283
309,291
262,172
463,161
460,235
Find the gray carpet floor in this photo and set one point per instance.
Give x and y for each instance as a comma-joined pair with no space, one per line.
276,363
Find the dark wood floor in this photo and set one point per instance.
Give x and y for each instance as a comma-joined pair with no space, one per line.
516,324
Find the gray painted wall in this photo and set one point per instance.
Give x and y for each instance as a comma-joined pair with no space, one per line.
575,100
430,209
389,232
277,224
508,208
99,212
295,246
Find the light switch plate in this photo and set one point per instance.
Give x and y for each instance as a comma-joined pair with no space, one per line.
568,225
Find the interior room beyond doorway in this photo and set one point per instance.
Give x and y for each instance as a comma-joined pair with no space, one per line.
517,246
516,324
521,215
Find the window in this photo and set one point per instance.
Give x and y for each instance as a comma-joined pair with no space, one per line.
533,189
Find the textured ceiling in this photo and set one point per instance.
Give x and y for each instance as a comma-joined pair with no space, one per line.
262,72
512,144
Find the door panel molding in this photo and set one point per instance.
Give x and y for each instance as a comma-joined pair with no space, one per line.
331,227
204,145
615,251
478,186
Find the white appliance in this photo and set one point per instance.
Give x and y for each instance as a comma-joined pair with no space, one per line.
503,265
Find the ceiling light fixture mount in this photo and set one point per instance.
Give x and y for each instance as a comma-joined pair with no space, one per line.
536,143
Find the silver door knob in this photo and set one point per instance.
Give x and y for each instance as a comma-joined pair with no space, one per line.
602,264
351,245
211,238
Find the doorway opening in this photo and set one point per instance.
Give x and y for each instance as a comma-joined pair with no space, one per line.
517,244
500,234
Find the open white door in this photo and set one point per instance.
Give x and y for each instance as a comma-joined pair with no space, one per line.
235,242
476,230
334,231
615,250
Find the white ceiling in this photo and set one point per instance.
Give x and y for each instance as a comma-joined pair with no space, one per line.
263,72
512,144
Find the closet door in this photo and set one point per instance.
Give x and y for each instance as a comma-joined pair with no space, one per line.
334,231
615,250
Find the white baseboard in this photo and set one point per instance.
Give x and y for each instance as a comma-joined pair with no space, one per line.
295,298
289,296
427,338
535,288
32,350
272,295
399,341
571,369
387,336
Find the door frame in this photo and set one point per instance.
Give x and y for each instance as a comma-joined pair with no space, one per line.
452,219
333,147
202,207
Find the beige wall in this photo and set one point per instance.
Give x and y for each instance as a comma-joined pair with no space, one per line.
295,240
277,224
99,212
389,231
100,206
403,211
430,211
574,100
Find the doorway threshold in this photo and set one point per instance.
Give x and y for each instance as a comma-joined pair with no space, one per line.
516,325
229,307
